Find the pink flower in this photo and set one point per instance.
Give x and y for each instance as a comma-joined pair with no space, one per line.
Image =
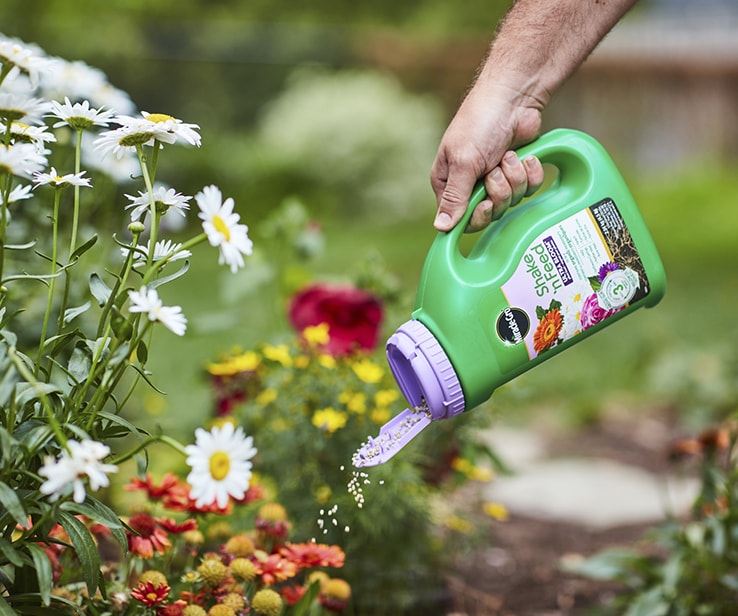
593,313
354,316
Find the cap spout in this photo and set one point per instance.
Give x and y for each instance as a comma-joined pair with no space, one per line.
393,436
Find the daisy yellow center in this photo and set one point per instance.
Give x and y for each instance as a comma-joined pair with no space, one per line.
222,228
159,117
220,465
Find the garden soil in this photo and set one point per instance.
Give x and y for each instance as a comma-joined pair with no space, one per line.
517,570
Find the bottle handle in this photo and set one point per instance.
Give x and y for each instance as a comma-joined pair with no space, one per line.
566,149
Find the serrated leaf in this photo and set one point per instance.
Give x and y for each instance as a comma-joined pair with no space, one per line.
42,564
83,248
100,291
72,313
9,499
84,546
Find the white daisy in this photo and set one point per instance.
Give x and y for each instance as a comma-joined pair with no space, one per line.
23,59
163,249
221,465
60,181
21,107
221,225
24,133
170,130
21,159
147,301
19,193
165,198
69,471
78,115
123,140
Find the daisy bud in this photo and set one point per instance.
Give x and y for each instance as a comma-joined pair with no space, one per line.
243,569
136,227
212,571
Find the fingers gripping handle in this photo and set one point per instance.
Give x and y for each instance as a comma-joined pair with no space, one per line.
563,148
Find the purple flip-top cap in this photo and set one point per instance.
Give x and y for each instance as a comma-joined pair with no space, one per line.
423,371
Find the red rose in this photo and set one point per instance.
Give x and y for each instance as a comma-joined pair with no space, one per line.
354,316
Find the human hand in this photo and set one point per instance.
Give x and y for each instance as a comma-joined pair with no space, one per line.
476,146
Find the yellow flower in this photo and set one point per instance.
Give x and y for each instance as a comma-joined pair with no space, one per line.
354,402
329,419
368,371
498,511
243,569
316,335
385,397
243,362
302,362
267,602
327,361
212,571
267,396
458,524
279,353
471,471
380,416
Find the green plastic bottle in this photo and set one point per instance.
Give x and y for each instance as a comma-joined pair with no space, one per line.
572,259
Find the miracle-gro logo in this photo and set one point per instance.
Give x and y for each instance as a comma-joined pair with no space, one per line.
512,325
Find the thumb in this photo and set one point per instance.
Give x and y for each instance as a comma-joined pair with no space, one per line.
454,199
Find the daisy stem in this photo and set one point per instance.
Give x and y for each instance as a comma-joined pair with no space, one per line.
159,438
52,280
75,224
152,202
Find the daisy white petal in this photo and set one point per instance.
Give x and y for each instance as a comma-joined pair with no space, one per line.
24,59
19,193
147,301
221,465
221,225
170,130
165,198
60,181
21,159
120,141
21,107
82,460
78,115
163,249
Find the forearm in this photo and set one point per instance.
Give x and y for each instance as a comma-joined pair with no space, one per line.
540,43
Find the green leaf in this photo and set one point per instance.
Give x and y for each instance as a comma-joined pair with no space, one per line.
100,514
83,248
79,364
44,574
650,603
9,499
84,546
594,282
27,392
142,352
164,279
71,313
612,564
100,291
10,553
5,609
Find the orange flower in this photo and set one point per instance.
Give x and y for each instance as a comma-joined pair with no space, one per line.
292,594
548,330
307,555
274,568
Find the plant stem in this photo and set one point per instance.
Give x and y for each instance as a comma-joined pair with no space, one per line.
52,280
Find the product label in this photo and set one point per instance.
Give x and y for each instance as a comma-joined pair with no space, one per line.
578,273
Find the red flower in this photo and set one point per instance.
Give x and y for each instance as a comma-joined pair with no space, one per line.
150,594
153,491
174,527
307,555
292,594
147,537
354,316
